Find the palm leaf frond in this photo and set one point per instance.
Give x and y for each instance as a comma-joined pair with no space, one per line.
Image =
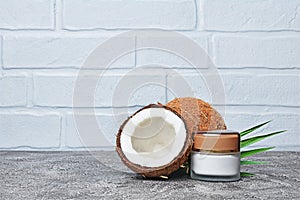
247,142
250,130
250,162
254,151
246,174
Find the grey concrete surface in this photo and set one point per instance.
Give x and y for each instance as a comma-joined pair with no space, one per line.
101,175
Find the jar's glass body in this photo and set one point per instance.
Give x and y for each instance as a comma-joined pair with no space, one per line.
210,166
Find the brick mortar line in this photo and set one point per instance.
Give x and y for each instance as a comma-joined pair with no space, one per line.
120,70
55,13
113,30
125,69
56,110
61,108
1,55
61,133
30,33
106,148
196,14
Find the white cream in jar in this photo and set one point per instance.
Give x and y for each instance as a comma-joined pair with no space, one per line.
216,156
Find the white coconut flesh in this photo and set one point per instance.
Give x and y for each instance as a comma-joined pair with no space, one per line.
153,137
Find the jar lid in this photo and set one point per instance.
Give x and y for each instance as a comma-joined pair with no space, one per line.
217,140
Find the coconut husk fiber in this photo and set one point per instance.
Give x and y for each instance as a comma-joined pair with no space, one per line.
198,115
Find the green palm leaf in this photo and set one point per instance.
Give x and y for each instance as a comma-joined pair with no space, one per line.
247,142
254,151
252,140
246,174
250,162
243,133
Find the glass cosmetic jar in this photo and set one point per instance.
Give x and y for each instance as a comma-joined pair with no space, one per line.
216,156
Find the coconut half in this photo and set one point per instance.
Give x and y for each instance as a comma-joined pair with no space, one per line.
154,141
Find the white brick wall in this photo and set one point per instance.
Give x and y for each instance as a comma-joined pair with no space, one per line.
54,52
163,57
106,94
249,15
27,14
242,89
108,125
127,14
13,91
270,52
254,44
29,130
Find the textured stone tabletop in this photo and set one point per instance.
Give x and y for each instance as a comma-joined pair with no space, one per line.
101,175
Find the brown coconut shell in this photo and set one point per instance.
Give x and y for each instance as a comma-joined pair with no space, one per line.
198,115
164,170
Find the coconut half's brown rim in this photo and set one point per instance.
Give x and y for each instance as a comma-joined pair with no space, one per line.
164,170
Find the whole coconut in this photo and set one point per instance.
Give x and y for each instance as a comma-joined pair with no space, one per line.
198,115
